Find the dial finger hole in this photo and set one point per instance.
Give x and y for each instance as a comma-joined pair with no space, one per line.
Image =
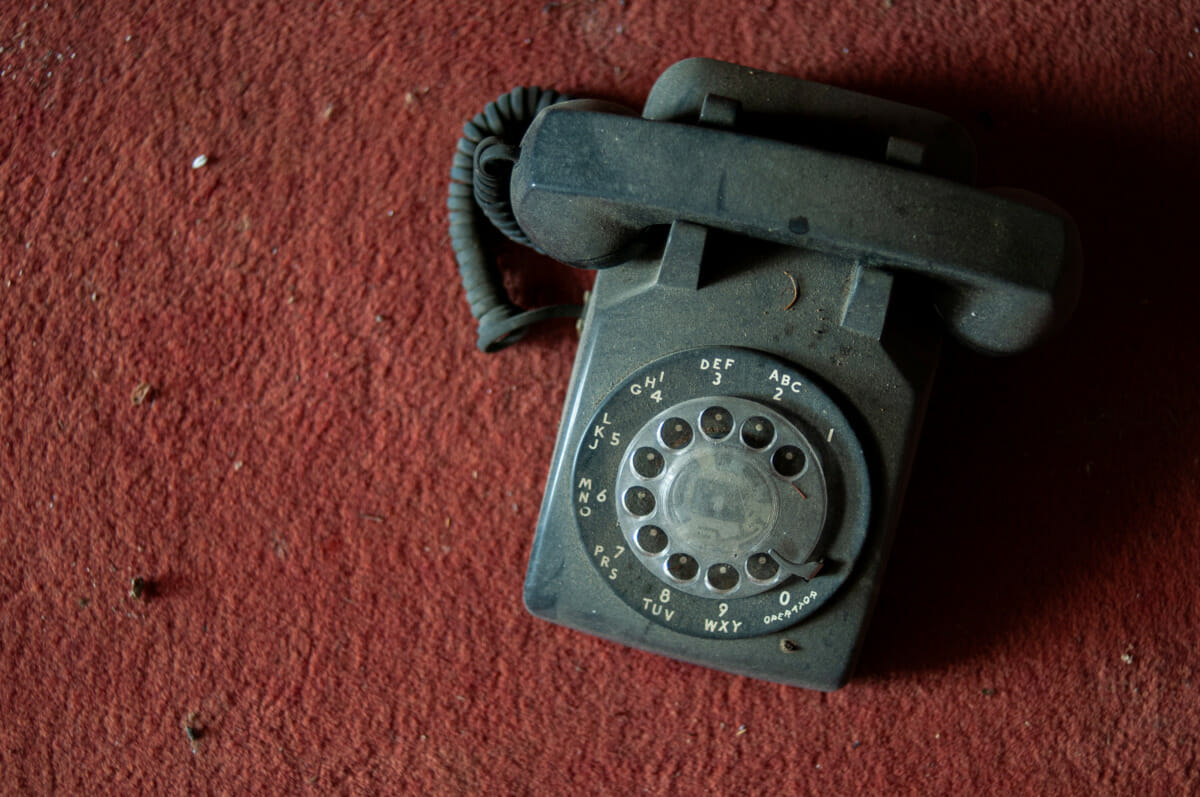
676,433
716,422
639,501
682,567
647,462
762,567
758,432
651,539
722,577
788,461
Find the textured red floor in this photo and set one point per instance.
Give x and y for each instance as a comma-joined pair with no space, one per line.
333,494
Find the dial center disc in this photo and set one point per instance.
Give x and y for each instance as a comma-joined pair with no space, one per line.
720,502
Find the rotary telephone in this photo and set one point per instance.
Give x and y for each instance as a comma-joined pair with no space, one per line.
778,263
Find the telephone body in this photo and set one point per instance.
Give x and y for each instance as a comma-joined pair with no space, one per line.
778,263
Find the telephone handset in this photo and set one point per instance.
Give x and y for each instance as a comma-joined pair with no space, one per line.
757,349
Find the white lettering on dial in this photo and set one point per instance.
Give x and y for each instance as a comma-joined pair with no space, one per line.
600,434
585,496
722,626
649,384
716,365
785,598
784,382
605,562
657,609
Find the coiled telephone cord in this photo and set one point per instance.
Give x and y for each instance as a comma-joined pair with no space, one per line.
479,186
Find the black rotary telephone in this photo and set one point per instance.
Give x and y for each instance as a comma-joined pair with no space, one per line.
778,262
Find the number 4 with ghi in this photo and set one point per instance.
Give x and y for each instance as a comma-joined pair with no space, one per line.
650,383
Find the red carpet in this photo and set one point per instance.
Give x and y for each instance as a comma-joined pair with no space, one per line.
331,494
